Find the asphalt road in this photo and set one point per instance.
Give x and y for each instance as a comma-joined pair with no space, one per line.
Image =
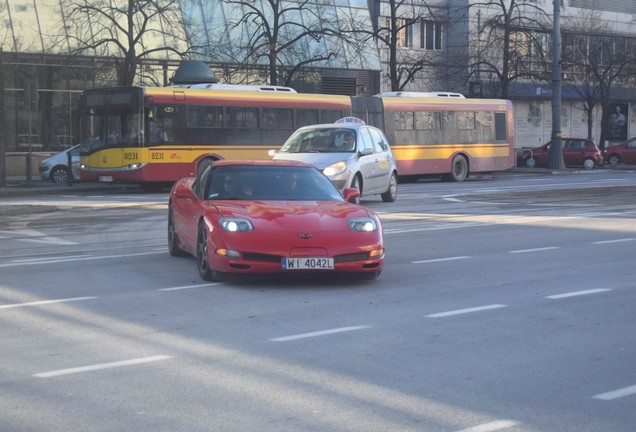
506,304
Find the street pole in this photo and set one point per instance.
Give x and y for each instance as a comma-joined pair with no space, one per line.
556,152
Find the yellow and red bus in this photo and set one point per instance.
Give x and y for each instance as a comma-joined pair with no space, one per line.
153,136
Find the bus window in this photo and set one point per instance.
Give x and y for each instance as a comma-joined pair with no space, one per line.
306,117
276,118
242,117
500,127
330,116
428,120
403,120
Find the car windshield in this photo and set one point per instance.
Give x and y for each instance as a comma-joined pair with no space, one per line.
321,140
265,183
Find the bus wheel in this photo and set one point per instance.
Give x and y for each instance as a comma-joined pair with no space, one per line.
203,164
459,169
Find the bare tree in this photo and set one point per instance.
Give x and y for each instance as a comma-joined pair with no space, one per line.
284,36
400,26
126,31
597,60
512,42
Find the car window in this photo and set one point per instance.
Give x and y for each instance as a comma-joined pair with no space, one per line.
632,144
576,145
379,144
367,140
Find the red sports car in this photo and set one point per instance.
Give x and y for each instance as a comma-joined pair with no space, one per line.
271,216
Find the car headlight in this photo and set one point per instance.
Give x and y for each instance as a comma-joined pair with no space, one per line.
233,224
362,224
335,169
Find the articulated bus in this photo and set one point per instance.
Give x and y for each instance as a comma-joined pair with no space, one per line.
153,136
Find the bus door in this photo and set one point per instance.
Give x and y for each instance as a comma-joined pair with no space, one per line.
369,109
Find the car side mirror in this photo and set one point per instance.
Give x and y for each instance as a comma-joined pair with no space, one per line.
350,194
365,152
182,191
272,152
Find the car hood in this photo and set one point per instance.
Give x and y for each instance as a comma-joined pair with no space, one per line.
290,215
319,160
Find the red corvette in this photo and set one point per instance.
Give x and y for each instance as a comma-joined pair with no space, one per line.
271,216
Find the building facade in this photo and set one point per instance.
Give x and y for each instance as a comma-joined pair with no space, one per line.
51,50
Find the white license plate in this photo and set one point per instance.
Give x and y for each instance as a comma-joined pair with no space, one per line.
307,263
105,179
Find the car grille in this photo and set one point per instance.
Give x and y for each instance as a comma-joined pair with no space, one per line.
253,256
351,257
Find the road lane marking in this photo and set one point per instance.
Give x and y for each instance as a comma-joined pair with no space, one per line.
578,293
626,391
492,426
43,302
440,260
189,287
65,259
465,311
614,241
319,333
534,250
48,259
101,366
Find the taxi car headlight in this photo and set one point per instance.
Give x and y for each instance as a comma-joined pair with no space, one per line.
363,224
232,224
335,169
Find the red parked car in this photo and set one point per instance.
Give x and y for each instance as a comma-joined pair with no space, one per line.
577,152
272,216
623,153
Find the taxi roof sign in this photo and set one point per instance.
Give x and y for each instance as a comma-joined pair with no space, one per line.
355,120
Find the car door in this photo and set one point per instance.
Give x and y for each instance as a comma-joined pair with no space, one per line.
367,162
629,152
573,152
383,160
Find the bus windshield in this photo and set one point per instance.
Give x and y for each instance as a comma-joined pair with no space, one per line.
110,121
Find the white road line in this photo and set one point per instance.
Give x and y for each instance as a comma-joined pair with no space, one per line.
440,260
84,258
43,302
578,293
100,366
465,311
48,259
319,333
614,241
627,391
492,426
188,287
534,250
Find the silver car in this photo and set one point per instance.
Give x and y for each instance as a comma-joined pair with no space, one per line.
55,167
350,153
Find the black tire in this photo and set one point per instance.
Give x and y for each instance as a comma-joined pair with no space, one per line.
173,243
203,264
357,183
459,169
588,163
391,194
59,175
614,160
530,162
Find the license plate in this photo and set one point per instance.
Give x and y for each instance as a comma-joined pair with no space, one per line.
105,179
307,263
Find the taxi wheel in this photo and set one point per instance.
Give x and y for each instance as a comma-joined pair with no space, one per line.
357,183
391,194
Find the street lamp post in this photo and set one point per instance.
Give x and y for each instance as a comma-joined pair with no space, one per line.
556,144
